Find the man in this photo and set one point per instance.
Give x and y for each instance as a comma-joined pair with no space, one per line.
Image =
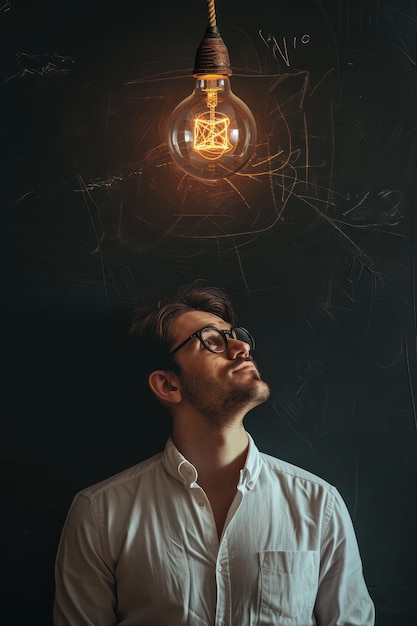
210,531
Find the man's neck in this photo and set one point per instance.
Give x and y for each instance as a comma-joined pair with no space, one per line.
218,454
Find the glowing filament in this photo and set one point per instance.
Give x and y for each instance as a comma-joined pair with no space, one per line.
211,138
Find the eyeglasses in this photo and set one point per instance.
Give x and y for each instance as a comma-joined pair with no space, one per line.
215,340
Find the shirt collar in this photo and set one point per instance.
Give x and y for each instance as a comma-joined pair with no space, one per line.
182,470
250,472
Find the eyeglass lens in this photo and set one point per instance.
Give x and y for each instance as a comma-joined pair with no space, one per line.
215,341
243,335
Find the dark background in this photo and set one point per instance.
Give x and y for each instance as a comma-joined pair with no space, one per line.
315,241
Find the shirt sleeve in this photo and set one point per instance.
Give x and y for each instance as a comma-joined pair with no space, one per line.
343,598
85,590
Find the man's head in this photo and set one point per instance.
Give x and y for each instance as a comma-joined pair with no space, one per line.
200,359
153,321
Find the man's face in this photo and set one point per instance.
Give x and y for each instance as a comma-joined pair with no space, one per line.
218,385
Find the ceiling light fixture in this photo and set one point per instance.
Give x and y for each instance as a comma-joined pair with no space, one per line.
212,133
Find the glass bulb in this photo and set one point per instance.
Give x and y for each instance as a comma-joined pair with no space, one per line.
212,133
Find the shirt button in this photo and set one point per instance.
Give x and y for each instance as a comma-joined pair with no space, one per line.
250,484
219,568
201,504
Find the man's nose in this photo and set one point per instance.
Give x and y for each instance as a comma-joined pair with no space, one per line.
237,347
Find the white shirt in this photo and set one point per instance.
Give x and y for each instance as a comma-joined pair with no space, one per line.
141,549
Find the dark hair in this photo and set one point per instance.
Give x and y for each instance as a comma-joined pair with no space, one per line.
151,322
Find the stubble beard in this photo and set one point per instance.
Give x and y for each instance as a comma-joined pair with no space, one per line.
219,403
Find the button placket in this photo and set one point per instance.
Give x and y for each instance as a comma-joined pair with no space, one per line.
223,585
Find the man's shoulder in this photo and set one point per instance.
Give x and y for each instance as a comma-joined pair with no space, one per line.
289,471
125,479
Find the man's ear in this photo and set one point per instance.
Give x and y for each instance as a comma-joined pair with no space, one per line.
166,386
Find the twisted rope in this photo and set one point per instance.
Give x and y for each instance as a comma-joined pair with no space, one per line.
211,13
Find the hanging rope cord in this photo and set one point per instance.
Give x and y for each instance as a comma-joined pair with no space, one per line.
211,13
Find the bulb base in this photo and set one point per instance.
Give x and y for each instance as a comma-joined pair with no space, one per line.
212,56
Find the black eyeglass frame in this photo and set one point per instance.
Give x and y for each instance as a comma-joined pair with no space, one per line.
225,333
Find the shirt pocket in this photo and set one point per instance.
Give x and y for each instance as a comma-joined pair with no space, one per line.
288,582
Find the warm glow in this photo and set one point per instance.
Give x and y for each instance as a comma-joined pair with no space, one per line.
211,129
211,133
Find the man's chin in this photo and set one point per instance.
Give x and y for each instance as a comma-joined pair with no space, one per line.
264,392
258,391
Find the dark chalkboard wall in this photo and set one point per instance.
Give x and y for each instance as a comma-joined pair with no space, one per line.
315,242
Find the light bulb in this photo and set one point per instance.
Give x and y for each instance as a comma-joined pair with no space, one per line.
212,133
